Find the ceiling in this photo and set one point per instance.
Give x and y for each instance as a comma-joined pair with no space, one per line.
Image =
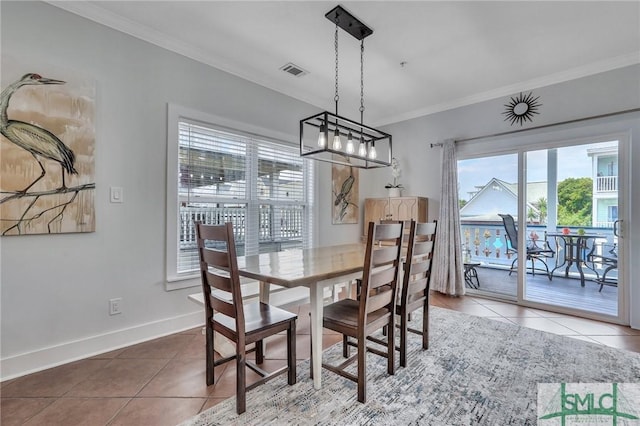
423,57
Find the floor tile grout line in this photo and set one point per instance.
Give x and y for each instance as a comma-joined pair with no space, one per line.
152,377
117,413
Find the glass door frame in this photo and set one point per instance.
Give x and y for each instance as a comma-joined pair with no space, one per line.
520,145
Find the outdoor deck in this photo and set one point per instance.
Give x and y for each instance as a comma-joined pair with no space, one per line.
560,291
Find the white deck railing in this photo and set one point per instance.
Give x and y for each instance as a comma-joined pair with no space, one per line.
486,243
275,224
279,227
606,183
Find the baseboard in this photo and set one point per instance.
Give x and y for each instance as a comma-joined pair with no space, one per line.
53,356
41,359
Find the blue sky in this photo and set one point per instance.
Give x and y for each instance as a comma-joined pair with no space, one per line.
573,161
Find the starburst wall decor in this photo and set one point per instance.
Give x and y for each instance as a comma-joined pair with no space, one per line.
521,108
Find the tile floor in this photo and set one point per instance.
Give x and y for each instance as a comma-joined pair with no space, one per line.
161,382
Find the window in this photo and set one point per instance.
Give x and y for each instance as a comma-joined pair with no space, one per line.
261,186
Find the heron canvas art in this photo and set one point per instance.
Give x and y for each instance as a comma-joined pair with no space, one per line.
47,172
344,183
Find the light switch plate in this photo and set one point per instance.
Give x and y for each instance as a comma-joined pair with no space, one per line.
116,194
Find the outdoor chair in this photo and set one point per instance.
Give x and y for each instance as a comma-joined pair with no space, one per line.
534,251
358,319
607,256
226,314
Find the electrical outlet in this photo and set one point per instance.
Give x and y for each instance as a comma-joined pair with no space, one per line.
115,306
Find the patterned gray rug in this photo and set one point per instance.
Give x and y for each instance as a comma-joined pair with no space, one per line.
477,371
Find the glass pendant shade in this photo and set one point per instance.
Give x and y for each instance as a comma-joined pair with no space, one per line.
350,148
337,142
373,154
322,136
362,149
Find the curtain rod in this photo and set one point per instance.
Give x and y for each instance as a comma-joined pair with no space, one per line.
577,120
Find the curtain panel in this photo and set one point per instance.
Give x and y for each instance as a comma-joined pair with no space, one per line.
448,264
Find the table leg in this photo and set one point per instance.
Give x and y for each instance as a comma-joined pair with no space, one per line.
265,289
264,294
565,255
316,298
568,252
579,264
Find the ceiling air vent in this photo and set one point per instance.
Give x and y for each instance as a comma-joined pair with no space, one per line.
294,70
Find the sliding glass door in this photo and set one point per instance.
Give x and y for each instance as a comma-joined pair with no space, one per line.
488,187
540,225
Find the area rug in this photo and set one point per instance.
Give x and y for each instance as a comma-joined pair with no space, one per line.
477,371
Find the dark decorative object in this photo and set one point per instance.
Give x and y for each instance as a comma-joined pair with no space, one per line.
522,108
323,135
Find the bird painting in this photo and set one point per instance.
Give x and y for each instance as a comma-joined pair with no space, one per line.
54,129
345,194
38,141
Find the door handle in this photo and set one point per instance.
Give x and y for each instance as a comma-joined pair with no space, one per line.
616,230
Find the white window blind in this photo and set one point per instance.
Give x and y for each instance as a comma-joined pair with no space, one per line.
212,164
263,188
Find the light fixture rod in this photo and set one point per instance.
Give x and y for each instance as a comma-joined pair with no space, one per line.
345,20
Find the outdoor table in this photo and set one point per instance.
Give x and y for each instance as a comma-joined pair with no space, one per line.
575,251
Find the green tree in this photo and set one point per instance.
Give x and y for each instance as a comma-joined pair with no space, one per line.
540,214
575,200
462,203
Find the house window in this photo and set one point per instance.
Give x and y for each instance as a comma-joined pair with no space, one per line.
259,185
612,213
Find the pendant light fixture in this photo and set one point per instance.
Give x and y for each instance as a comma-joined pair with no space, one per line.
322,135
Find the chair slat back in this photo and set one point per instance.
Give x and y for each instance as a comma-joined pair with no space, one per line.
418,263
219,271
381,265
384,255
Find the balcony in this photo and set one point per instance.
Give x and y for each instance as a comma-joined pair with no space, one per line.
606,184
484,243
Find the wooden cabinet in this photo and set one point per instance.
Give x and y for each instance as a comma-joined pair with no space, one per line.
397,208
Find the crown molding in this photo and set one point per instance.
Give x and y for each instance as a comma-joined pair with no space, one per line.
119,23
536,83
104,17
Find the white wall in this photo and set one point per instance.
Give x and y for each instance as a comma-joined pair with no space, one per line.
55,289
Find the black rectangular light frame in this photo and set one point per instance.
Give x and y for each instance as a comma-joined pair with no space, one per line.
331,121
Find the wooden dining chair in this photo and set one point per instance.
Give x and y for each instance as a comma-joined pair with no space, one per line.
413,292
374,310
226,314
416,281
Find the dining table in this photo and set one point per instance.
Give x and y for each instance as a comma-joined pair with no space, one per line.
314,268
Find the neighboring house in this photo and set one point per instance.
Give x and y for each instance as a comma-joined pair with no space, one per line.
498,196
605,186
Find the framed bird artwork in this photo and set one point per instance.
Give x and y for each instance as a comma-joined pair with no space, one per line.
47,179
346,202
